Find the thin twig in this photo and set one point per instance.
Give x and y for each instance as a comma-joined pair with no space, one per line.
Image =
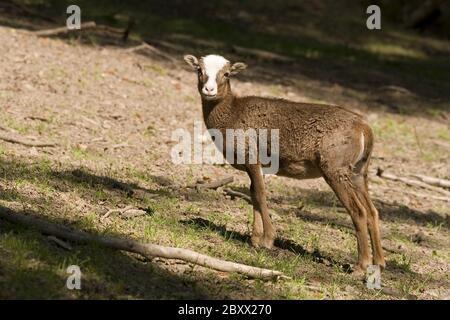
238,194
37,118
411,182
415,194
55,31
215,184
443,183
60,243
26,143
111,211
149,47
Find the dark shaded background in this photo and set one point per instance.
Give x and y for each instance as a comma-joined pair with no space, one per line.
321,39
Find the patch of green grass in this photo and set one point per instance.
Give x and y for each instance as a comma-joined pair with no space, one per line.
29,266
42,127
79,153
89,221
402,261
156,68
82,153
16,125
150,130
394,50
414,285
443,133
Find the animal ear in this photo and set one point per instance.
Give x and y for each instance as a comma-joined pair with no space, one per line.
192,61
237,67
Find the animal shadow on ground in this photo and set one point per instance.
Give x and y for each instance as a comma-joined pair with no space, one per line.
327,201
280,242
102,269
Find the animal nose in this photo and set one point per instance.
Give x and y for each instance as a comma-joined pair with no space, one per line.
209,89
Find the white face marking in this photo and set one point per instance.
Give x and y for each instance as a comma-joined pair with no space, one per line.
213,64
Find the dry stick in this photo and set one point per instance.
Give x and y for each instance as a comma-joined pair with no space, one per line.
5,128
26,143
55,31
238,194
120,145
416,194
441,144
107,214
127,212
411,182
160,53
262,54
109,29
443,183
37,118
151,48
60,243
147,250
215,184
140,47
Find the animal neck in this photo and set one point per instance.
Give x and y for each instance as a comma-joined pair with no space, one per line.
217,112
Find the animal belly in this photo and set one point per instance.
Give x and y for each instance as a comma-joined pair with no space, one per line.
303,169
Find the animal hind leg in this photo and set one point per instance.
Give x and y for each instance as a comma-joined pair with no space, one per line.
373,225
348,195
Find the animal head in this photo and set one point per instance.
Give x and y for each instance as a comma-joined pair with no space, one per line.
214,73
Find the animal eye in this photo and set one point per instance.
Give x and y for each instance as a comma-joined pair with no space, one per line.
226,74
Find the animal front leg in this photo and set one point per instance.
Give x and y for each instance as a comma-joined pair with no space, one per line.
259,201
258,229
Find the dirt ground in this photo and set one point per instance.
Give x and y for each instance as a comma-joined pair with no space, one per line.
112,113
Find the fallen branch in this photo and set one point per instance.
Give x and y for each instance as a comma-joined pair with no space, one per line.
6,129
111,211
26,143
142,46
411,182
127,31
214,184
442,144
237,194
149,47
416,194
146,250
443,183
37,118
127,212
120,145
55,31
60,243
169,45
262,54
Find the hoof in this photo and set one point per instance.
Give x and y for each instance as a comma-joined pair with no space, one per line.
381,263
359,271
256,241
268,242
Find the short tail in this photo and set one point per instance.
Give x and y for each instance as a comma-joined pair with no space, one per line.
367,141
